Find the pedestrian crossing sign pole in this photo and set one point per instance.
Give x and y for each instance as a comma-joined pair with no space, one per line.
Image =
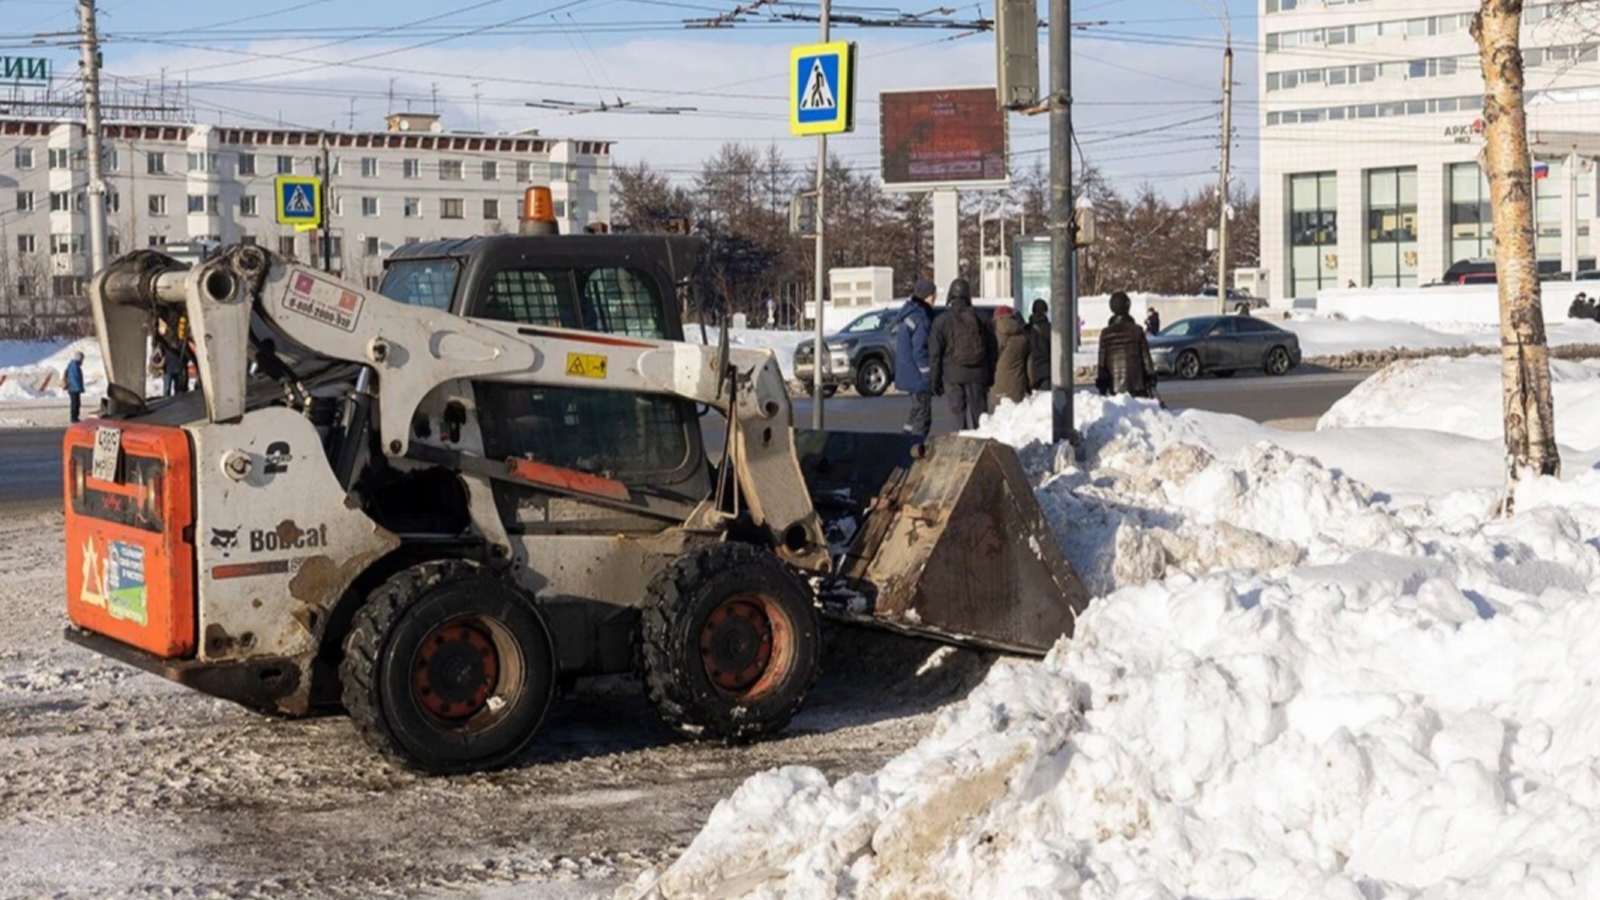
299,201
822,83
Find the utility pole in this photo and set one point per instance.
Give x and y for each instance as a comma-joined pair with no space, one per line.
1222,188
91,124
1063,308
327,204
819,350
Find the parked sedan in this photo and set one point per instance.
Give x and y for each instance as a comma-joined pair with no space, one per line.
1222,345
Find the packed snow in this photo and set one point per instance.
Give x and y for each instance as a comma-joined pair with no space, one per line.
1294,682
1462,396
1323,336
32,370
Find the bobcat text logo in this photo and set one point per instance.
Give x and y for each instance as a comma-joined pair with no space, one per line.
288,536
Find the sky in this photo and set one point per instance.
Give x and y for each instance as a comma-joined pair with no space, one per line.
1147,73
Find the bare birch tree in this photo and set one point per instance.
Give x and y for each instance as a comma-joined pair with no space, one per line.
1524,354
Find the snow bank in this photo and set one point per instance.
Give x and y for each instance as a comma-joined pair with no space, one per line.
1321,336
1293,686
32,370
1462,396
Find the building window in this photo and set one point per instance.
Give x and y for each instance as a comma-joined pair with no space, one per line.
413,207
369,206
24,157
203,203
369,167
1392,227
285,165
158,240
60,159
155,163
248,206
560,209
491,209
451,170
66,243
249,240
491,170
66,286
338,166
60,201
202,162
247,164
24,286
113,245
338,206
411,168
25,202
452,208
1550,200
26,244
1471,220
1313,233
158,204
112,159
286,246
113,202
524,172
372,246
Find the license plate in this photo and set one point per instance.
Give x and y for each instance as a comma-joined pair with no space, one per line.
107,453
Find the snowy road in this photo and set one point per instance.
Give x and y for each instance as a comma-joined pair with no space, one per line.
114,783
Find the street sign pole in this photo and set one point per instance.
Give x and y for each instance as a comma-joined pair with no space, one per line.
1063,308
819,354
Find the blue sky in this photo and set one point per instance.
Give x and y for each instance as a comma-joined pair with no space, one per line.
1147,81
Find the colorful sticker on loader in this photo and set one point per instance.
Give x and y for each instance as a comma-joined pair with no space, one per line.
586,365
125,586
324,301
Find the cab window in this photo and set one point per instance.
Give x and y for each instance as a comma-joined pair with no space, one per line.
532,297
421,282
618,434
621,301
608,300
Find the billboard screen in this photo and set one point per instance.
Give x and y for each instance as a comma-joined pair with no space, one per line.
942,137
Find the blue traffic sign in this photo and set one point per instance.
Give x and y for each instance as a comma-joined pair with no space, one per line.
299,201
822,88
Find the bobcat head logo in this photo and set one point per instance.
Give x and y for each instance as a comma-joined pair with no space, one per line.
225,540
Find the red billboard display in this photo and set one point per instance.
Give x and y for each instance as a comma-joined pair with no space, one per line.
954,136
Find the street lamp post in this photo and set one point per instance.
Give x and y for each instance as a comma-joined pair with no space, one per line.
1218,9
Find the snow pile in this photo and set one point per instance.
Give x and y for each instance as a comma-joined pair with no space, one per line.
1296,688
1322,336
32,370
1462,396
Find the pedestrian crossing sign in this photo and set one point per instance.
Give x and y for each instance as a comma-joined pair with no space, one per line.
299,201
822,83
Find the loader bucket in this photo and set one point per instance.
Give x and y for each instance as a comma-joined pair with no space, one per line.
944,540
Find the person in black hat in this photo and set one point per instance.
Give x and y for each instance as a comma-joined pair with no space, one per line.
912,328
961,356
1125,363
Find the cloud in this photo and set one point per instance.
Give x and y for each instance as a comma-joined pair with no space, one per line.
1143,112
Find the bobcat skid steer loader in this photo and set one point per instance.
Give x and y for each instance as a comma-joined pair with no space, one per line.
437,504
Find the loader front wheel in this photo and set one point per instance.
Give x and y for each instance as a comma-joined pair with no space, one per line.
729,643
448,668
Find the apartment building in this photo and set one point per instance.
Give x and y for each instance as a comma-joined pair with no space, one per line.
1370,128
171,183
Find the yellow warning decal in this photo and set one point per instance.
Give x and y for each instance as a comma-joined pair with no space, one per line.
586,365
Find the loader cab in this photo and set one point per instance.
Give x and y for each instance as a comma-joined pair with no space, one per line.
625,285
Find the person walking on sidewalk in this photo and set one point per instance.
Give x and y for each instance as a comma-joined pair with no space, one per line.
961,357
1125,363
74,379
912,329
1039,337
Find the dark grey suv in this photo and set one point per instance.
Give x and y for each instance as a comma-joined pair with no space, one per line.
861,354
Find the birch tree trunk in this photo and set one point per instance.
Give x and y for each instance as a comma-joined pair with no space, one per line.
1524,356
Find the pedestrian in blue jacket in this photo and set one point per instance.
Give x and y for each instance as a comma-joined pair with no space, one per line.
74,379
911,357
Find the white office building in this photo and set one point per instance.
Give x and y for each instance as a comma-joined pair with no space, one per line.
1370,129
172,183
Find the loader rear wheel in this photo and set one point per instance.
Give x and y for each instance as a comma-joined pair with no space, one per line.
729,643
448,668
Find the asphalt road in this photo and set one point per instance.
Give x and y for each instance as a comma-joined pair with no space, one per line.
30,458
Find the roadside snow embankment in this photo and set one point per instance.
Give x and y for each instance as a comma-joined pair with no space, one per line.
32,370
1290,685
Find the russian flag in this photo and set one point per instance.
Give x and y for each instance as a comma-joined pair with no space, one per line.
1541,170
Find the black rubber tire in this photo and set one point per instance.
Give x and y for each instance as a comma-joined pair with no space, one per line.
1187,365
1277,361
676,611
1223,373
381,652
873,378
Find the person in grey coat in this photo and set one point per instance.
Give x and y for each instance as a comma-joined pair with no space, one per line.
961,357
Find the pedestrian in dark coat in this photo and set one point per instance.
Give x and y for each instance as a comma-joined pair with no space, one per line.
1152,322
1125,363
1579,308
961,357
74,379
1039,346
1011,369
912,330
